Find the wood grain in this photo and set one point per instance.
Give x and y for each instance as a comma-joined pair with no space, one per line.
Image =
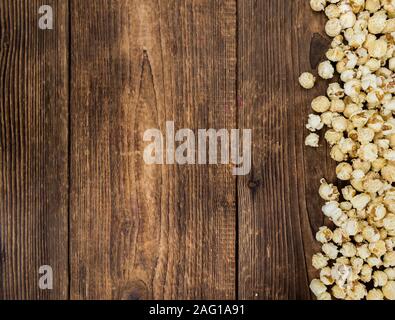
279,208
33,148
113,227
140,231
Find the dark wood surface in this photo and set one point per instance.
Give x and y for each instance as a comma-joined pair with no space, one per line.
279,206
75,192
34,150
150,232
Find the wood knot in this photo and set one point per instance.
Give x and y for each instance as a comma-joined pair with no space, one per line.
136,290
253,184
318,47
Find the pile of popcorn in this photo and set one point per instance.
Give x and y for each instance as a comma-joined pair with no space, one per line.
358,258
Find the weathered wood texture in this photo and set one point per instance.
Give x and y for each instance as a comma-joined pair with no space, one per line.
33,150
113,227
141,231
279,208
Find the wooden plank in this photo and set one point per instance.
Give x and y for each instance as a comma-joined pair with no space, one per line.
140,231
33,150
279,207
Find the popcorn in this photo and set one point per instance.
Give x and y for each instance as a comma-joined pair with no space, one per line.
335,54
370,234
378,248
374,262
356,292
326,276
328,192
377,211
332,11
317,287
389,26
338,292
330,250
351,227
378,48
324,296
312,140
390,272
357,264
324,235
318,5
326,70
321,104
333,137
340,236
365,135
348,250
366,273
358,114
389,222
348,193
344,171
372,5
347,75
337,154
335,91
337,105
339,124
333,27
319,261
388,173
380,279
357,5
360,201
307,80
347,20
368,152
314,123
331,210
388,242
389,290
341,272
377,22
375,294
389,259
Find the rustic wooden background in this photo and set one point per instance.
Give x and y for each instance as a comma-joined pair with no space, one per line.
74,190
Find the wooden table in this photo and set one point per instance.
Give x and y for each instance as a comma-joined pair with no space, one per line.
75,192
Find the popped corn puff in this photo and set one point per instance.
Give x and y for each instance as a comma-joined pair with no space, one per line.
357,258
